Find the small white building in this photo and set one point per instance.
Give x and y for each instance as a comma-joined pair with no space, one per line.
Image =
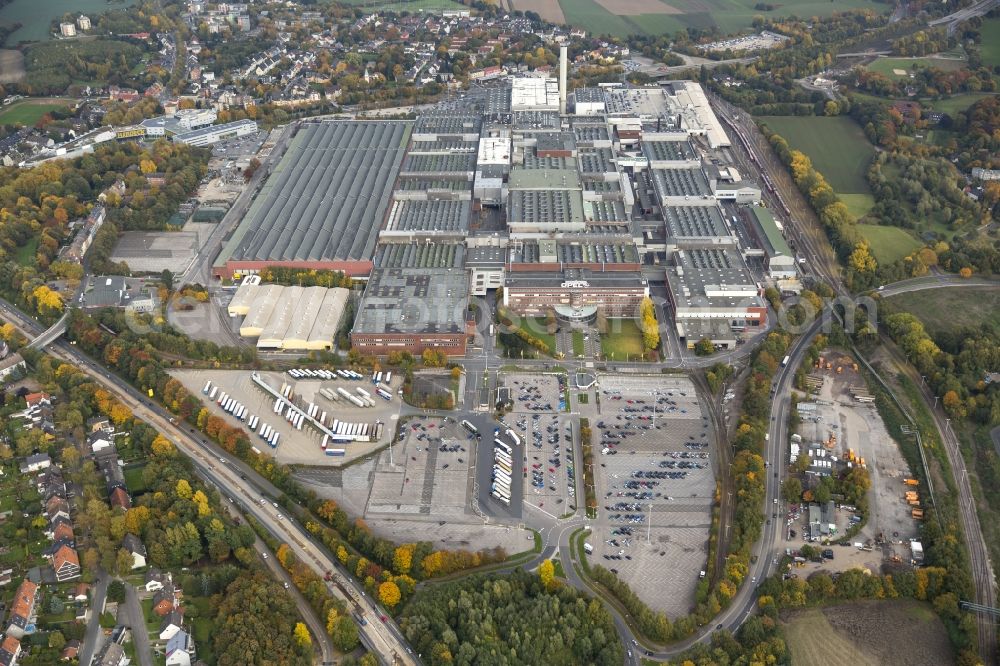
83,22
67,30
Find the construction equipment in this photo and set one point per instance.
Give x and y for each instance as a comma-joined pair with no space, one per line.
911,482
917,513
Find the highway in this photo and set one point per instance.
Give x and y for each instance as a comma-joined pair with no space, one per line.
235,479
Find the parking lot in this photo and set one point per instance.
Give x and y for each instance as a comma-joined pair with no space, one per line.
294,446
549,463
429,472
547,437
655,486
536,393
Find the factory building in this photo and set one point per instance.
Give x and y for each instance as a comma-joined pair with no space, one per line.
575,294
413,309
778,257
289,318
323,204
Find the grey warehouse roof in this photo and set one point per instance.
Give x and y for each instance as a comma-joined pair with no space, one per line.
422,184
596,160
590,95
327,197
536,120
429,215
587,133
673,151
545,207
401,300
533,161
575,253
680,183
447,124
440,163
420,255
694,221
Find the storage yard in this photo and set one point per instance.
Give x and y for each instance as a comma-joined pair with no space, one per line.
840,428
309,420
655,486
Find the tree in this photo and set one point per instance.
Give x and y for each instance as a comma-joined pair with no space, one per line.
791,490
56,640
302,637
388,594
147,166
704,347
402,559
167,278
547,573
116,590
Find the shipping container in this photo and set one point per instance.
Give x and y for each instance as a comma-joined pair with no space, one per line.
208,387
215,391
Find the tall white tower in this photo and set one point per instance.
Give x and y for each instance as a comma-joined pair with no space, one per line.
563,57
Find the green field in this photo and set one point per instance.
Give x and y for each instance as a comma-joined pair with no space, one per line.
727,15
837,147
885,66
889,244
858,204
26,112
35,16
622,341
989,48
953,105
25,254
952,308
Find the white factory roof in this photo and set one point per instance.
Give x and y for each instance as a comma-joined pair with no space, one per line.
259,312
290,317
244,296
696,114
494,150
534,94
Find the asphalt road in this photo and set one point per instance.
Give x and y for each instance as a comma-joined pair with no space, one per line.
92,637
137,622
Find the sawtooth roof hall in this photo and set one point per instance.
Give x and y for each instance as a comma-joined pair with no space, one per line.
322,206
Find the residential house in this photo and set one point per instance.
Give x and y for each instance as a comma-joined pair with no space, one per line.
38,399
10,650
112,654
56,507
36,462
21,618
179,649
100,424
157,580
99,444
134,546
71,651
66,563
6,576
11,366
50,483
61,531
120,499
166,600
81,593
171,625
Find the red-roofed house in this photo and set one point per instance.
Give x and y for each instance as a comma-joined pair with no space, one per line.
22,610
120,499
66,563
10,650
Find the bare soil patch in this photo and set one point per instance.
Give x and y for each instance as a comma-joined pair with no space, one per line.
637,7
11,66
880,633
549,10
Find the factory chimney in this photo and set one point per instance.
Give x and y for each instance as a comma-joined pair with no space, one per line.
563,57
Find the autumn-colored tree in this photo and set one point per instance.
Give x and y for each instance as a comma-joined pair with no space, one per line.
147,166
302,638
163,447
388,594
402,559
183,489
965,272
547,573
861,258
